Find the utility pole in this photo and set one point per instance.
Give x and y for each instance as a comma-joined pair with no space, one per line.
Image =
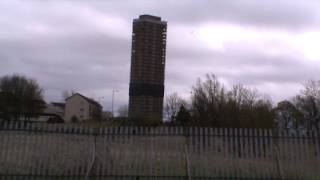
113,91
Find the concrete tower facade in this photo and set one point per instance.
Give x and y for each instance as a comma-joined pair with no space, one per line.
147,67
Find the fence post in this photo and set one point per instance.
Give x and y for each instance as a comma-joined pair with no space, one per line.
316,140
93,157
277,153
186,153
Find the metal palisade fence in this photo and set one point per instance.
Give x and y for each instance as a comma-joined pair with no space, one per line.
69,151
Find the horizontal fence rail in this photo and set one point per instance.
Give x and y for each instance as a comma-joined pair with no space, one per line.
63,151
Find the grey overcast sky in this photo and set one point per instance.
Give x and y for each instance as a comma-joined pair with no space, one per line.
85,46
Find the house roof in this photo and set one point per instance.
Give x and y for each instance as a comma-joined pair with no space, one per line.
91,101
58,104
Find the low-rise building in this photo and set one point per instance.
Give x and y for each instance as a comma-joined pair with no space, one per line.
56,108
79,108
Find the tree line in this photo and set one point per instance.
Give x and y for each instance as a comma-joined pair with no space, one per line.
212,104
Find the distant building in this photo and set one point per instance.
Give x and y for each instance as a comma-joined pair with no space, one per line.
107,115
56,108
147,67
79,108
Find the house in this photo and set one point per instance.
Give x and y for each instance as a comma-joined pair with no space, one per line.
80,108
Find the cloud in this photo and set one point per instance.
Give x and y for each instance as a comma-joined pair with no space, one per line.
85,45
82,62
291,15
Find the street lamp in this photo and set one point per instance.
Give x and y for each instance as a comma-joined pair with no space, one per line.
113,91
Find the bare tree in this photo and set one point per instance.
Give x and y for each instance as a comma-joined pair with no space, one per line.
208,98
213,105
172,105
183,116
309,104
309,107
240,106
312,88
242,96
288,116
306,107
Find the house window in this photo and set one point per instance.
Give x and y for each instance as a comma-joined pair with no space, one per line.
81,109
81,116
